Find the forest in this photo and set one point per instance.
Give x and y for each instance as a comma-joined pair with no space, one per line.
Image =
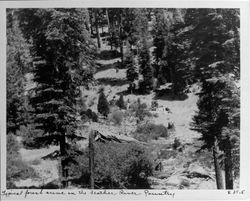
123,98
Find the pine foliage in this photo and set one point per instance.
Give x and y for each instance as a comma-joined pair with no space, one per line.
120,103
103,105
61,48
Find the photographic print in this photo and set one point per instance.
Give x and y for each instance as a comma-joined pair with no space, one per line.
123,98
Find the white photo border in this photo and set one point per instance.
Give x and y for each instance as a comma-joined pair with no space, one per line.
243,193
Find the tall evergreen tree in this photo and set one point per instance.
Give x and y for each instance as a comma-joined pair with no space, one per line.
120,103
215,46
145,68
62,47
131,73
218,120
171,44
18,64
103,105
215,41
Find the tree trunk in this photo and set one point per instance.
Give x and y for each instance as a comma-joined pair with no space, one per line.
121,51
97,31
91,24
91,160
63,164
172,77
87,26
228,166
120,39
107,16
218,172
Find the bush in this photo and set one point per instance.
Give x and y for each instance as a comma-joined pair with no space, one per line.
89,114
154,104
29,134
117,117
147,132
140,110
171,125
116,166
16,168
176,143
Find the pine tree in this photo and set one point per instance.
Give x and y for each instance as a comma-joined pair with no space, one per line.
18,64
171,55
230,136
215,41
215,46
103,106
131,73
146,69
218,119
61,46
120,102
147,85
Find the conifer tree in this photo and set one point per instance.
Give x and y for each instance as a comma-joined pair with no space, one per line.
145,68
131,73
215,41
216,46
170,53
103,105
120,102
218,121
18,64
61,47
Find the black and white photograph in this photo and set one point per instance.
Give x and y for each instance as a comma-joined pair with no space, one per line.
123,98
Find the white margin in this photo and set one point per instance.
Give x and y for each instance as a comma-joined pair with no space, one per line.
244,6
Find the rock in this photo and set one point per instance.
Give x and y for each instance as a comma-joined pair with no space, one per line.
178,181
165,174
196,170
167,153
207,184
174,181
27,183
155,181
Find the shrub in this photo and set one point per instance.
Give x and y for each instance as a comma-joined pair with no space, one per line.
171,125
29,137
140,110
147,132
117,117
176,143
154,104
94,117
89,114
116,166
113,101
16,168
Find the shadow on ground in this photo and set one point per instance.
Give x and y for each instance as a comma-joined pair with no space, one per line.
165,94
113,81
103,67
109,54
